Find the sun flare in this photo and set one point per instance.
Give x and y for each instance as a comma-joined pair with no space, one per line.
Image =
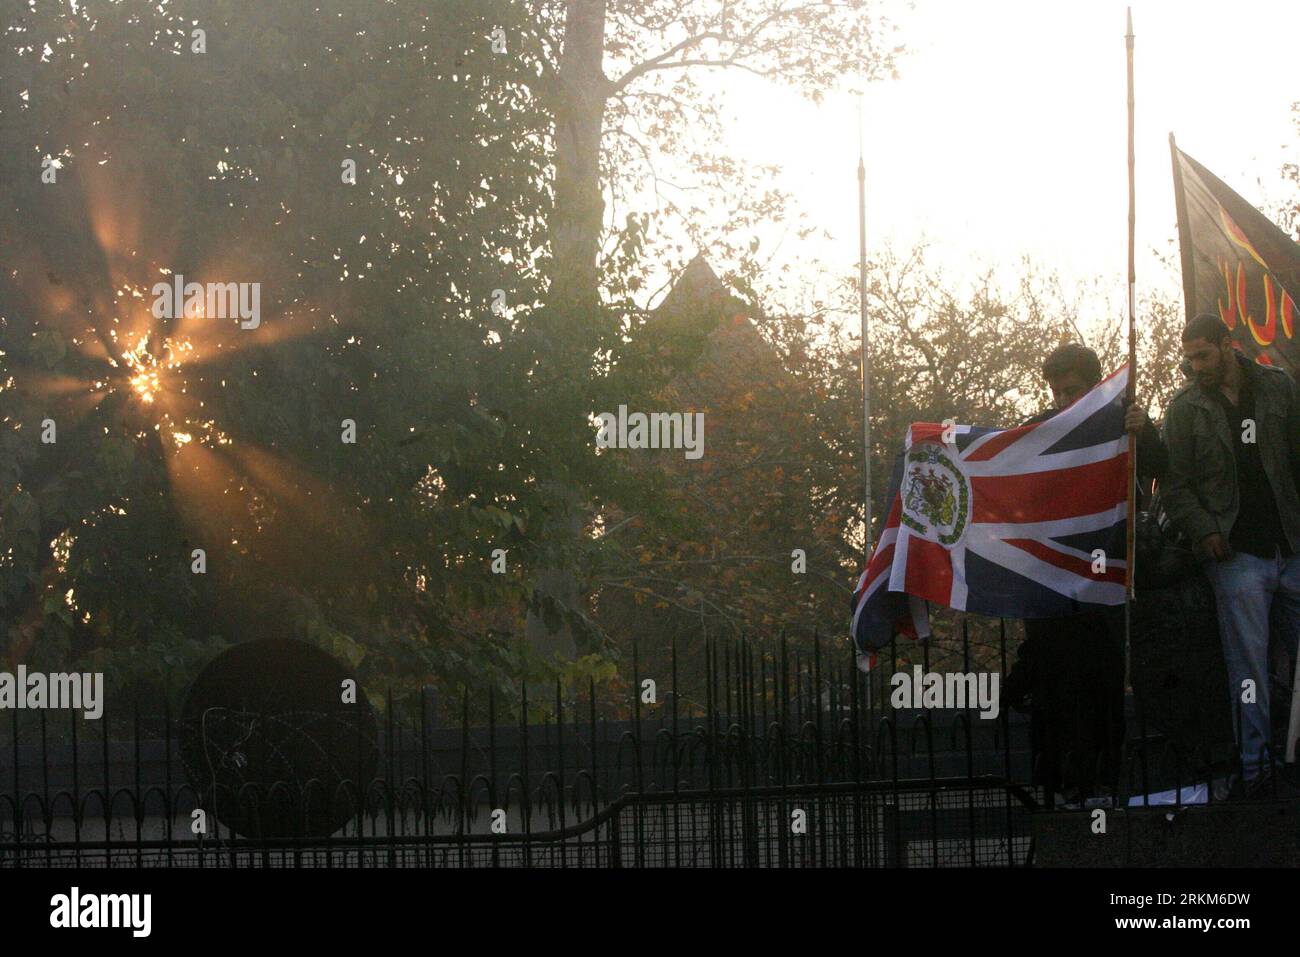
147,369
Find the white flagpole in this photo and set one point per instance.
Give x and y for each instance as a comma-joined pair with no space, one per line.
866,357
1132,362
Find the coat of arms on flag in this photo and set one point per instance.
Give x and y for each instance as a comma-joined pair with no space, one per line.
1019,523
937,497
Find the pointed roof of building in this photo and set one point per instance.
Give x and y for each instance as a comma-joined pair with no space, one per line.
699,296
699,292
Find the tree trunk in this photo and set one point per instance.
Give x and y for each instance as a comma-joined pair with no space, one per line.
573,297
579,202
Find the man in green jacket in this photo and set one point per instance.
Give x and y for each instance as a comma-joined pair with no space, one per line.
1233,435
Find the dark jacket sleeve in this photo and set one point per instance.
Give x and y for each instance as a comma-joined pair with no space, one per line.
1180,499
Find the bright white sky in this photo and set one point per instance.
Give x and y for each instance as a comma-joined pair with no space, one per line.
1006,132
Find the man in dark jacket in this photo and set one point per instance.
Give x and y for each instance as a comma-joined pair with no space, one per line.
1233,434
1070,671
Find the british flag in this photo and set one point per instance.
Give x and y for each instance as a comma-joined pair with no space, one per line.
1018,523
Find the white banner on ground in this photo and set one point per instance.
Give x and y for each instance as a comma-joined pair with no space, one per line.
1192,794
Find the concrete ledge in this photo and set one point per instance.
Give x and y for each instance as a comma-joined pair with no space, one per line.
1237,834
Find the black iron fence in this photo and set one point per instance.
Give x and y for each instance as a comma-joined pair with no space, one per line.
793,758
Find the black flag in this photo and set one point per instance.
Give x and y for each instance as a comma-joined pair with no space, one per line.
1237,265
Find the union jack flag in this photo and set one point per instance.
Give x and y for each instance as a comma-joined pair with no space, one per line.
1017,523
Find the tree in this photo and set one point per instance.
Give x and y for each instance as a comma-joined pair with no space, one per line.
380,306
1289,213
652,49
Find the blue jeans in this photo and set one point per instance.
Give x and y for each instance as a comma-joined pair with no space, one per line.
1246,590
